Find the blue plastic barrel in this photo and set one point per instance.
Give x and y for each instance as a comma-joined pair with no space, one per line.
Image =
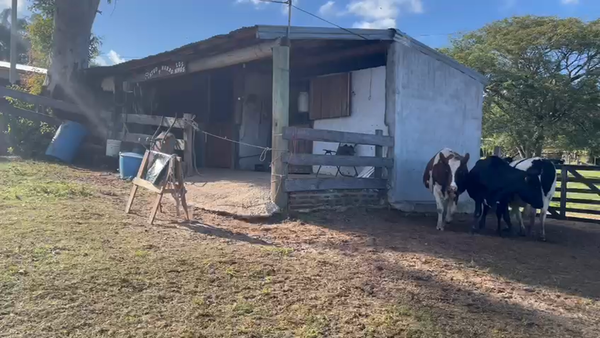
129,164
66,141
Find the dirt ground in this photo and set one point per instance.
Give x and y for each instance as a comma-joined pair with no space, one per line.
76,266
236,192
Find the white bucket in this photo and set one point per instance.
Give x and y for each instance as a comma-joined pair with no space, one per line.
113,147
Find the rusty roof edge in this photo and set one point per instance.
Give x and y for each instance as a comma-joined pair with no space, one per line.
267,32
403,38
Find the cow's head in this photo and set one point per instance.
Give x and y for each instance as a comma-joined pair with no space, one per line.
451,172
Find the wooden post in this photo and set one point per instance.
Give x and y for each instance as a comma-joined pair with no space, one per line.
564,177
378,153
281,107
188,150
498,151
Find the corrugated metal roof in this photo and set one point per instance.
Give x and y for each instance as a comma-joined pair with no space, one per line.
24,68
248,36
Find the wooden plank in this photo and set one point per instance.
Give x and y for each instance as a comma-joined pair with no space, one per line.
8,109
39,100
553,212
583,180
379,154
293,133
155,120
145,184
314,184
583,211
579,167
188,138
580,191
341,161
563,192
281,119
578,200
145,139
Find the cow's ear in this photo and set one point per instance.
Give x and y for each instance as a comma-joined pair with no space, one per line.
443,158
465,159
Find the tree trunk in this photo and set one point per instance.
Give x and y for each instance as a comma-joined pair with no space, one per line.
73,20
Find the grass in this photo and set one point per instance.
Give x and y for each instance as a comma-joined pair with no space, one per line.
72,264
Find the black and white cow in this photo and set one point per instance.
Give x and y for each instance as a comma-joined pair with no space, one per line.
547,176
494,183
445,175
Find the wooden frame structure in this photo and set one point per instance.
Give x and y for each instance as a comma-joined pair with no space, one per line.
186,124
173,184
328,183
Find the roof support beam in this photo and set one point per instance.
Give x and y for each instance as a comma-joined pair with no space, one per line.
261,51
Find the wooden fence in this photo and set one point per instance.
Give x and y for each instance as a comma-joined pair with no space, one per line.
297,184
571,204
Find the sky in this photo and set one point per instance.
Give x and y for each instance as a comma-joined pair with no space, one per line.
132,29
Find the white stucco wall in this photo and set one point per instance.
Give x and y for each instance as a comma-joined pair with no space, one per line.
256,119
436,106
367,115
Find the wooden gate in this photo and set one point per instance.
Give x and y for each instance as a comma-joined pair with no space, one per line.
577,196
295,184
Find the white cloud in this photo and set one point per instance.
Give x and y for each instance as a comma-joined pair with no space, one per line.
569,2
382,13
328,8
115,58
112,58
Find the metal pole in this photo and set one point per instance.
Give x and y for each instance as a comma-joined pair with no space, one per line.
13,43
289,19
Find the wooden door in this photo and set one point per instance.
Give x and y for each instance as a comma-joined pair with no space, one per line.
219,152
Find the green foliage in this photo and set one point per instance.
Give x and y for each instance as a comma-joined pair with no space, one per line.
40,32
23,44
543,81
27,138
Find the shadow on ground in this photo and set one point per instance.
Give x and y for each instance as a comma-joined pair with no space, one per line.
568,261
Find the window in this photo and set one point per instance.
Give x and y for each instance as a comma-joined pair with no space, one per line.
330,96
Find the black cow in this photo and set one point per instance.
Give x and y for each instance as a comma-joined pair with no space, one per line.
494,183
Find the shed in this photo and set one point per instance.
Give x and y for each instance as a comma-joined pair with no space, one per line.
242,92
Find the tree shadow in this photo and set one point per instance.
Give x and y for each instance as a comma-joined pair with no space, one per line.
568,262
457,310
212,230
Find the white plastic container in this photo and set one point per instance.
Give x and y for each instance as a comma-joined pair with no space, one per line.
113,147
303,102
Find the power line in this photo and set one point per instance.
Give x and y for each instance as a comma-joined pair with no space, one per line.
290,3
329,22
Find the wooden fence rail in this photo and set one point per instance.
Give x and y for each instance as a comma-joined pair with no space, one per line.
565,210
334,183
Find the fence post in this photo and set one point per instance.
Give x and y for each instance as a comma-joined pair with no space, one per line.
378,153
564,177
188,156
281,116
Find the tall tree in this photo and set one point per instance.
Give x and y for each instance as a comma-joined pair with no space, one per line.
22,43
72,44
543,76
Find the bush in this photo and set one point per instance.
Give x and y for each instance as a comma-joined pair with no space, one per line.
27,138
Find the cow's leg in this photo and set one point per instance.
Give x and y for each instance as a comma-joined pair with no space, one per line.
440,204
451,209
530,211
506,217
544,214
476,216
499,212
517,212
486,208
